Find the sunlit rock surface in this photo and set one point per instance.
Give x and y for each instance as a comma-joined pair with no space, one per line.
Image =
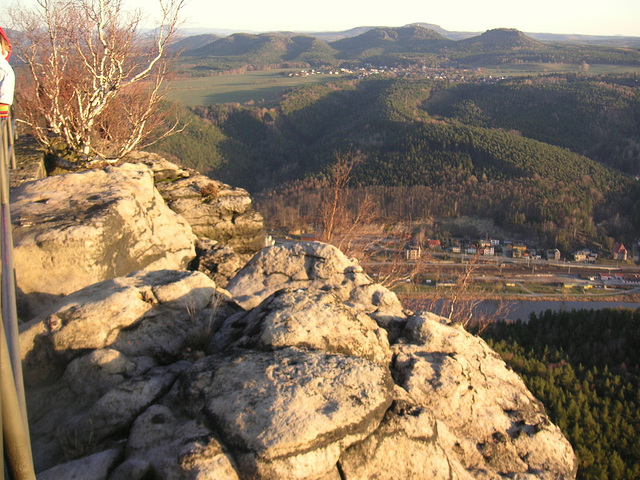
181,382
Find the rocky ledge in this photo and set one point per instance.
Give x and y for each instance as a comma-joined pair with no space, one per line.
214,209
73,230
302,368
163,375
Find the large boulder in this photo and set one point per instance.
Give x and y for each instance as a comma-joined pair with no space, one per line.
487,419
313,319
74,230
316,265
213,209
177,382
108,352
287,413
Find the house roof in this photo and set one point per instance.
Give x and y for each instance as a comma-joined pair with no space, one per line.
619,248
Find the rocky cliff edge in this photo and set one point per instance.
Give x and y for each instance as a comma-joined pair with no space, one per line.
302,368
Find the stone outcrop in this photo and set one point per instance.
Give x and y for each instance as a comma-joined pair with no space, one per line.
74,230
484,412
213,209
219,262
77,229
321,376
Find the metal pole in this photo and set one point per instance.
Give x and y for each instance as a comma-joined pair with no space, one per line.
9,311
14,411
17,445
11,135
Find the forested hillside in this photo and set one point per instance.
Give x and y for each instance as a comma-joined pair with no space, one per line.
585,368
599,118
426,148
244,49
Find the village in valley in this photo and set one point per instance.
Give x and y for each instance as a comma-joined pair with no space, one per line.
448,74
517,268
501,267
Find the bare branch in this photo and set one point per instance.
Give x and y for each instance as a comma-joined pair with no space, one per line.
84,54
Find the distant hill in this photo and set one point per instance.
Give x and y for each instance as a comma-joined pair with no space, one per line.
605,41
334,36
414,38
499,38
194,42
451,35
421,44
262,49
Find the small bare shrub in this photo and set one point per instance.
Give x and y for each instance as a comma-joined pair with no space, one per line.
209,191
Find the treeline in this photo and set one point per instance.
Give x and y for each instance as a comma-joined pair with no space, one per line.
585,368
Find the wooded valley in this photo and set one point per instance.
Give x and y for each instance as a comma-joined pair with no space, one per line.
551,157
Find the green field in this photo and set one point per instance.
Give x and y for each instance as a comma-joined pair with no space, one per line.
238,88
268,85
542,68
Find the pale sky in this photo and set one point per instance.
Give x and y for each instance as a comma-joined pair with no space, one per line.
587,17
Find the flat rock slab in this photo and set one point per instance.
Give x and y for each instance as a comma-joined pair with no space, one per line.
278,406
77,229
153,314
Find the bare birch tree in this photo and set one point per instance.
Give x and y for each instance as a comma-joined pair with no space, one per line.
334,204
95,79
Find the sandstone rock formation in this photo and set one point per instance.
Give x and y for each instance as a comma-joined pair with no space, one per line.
219,262
213,209
77,229
160,375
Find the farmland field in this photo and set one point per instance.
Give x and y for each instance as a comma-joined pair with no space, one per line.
542,68
270,84
238,88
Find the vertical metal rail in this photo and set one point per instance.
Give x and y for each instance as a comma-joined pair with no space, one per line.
16,440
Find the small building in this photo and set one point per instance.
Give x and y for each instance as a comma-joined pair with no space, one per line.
487,251
518,250
553,254
434,244
413,253
581,255
620,252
